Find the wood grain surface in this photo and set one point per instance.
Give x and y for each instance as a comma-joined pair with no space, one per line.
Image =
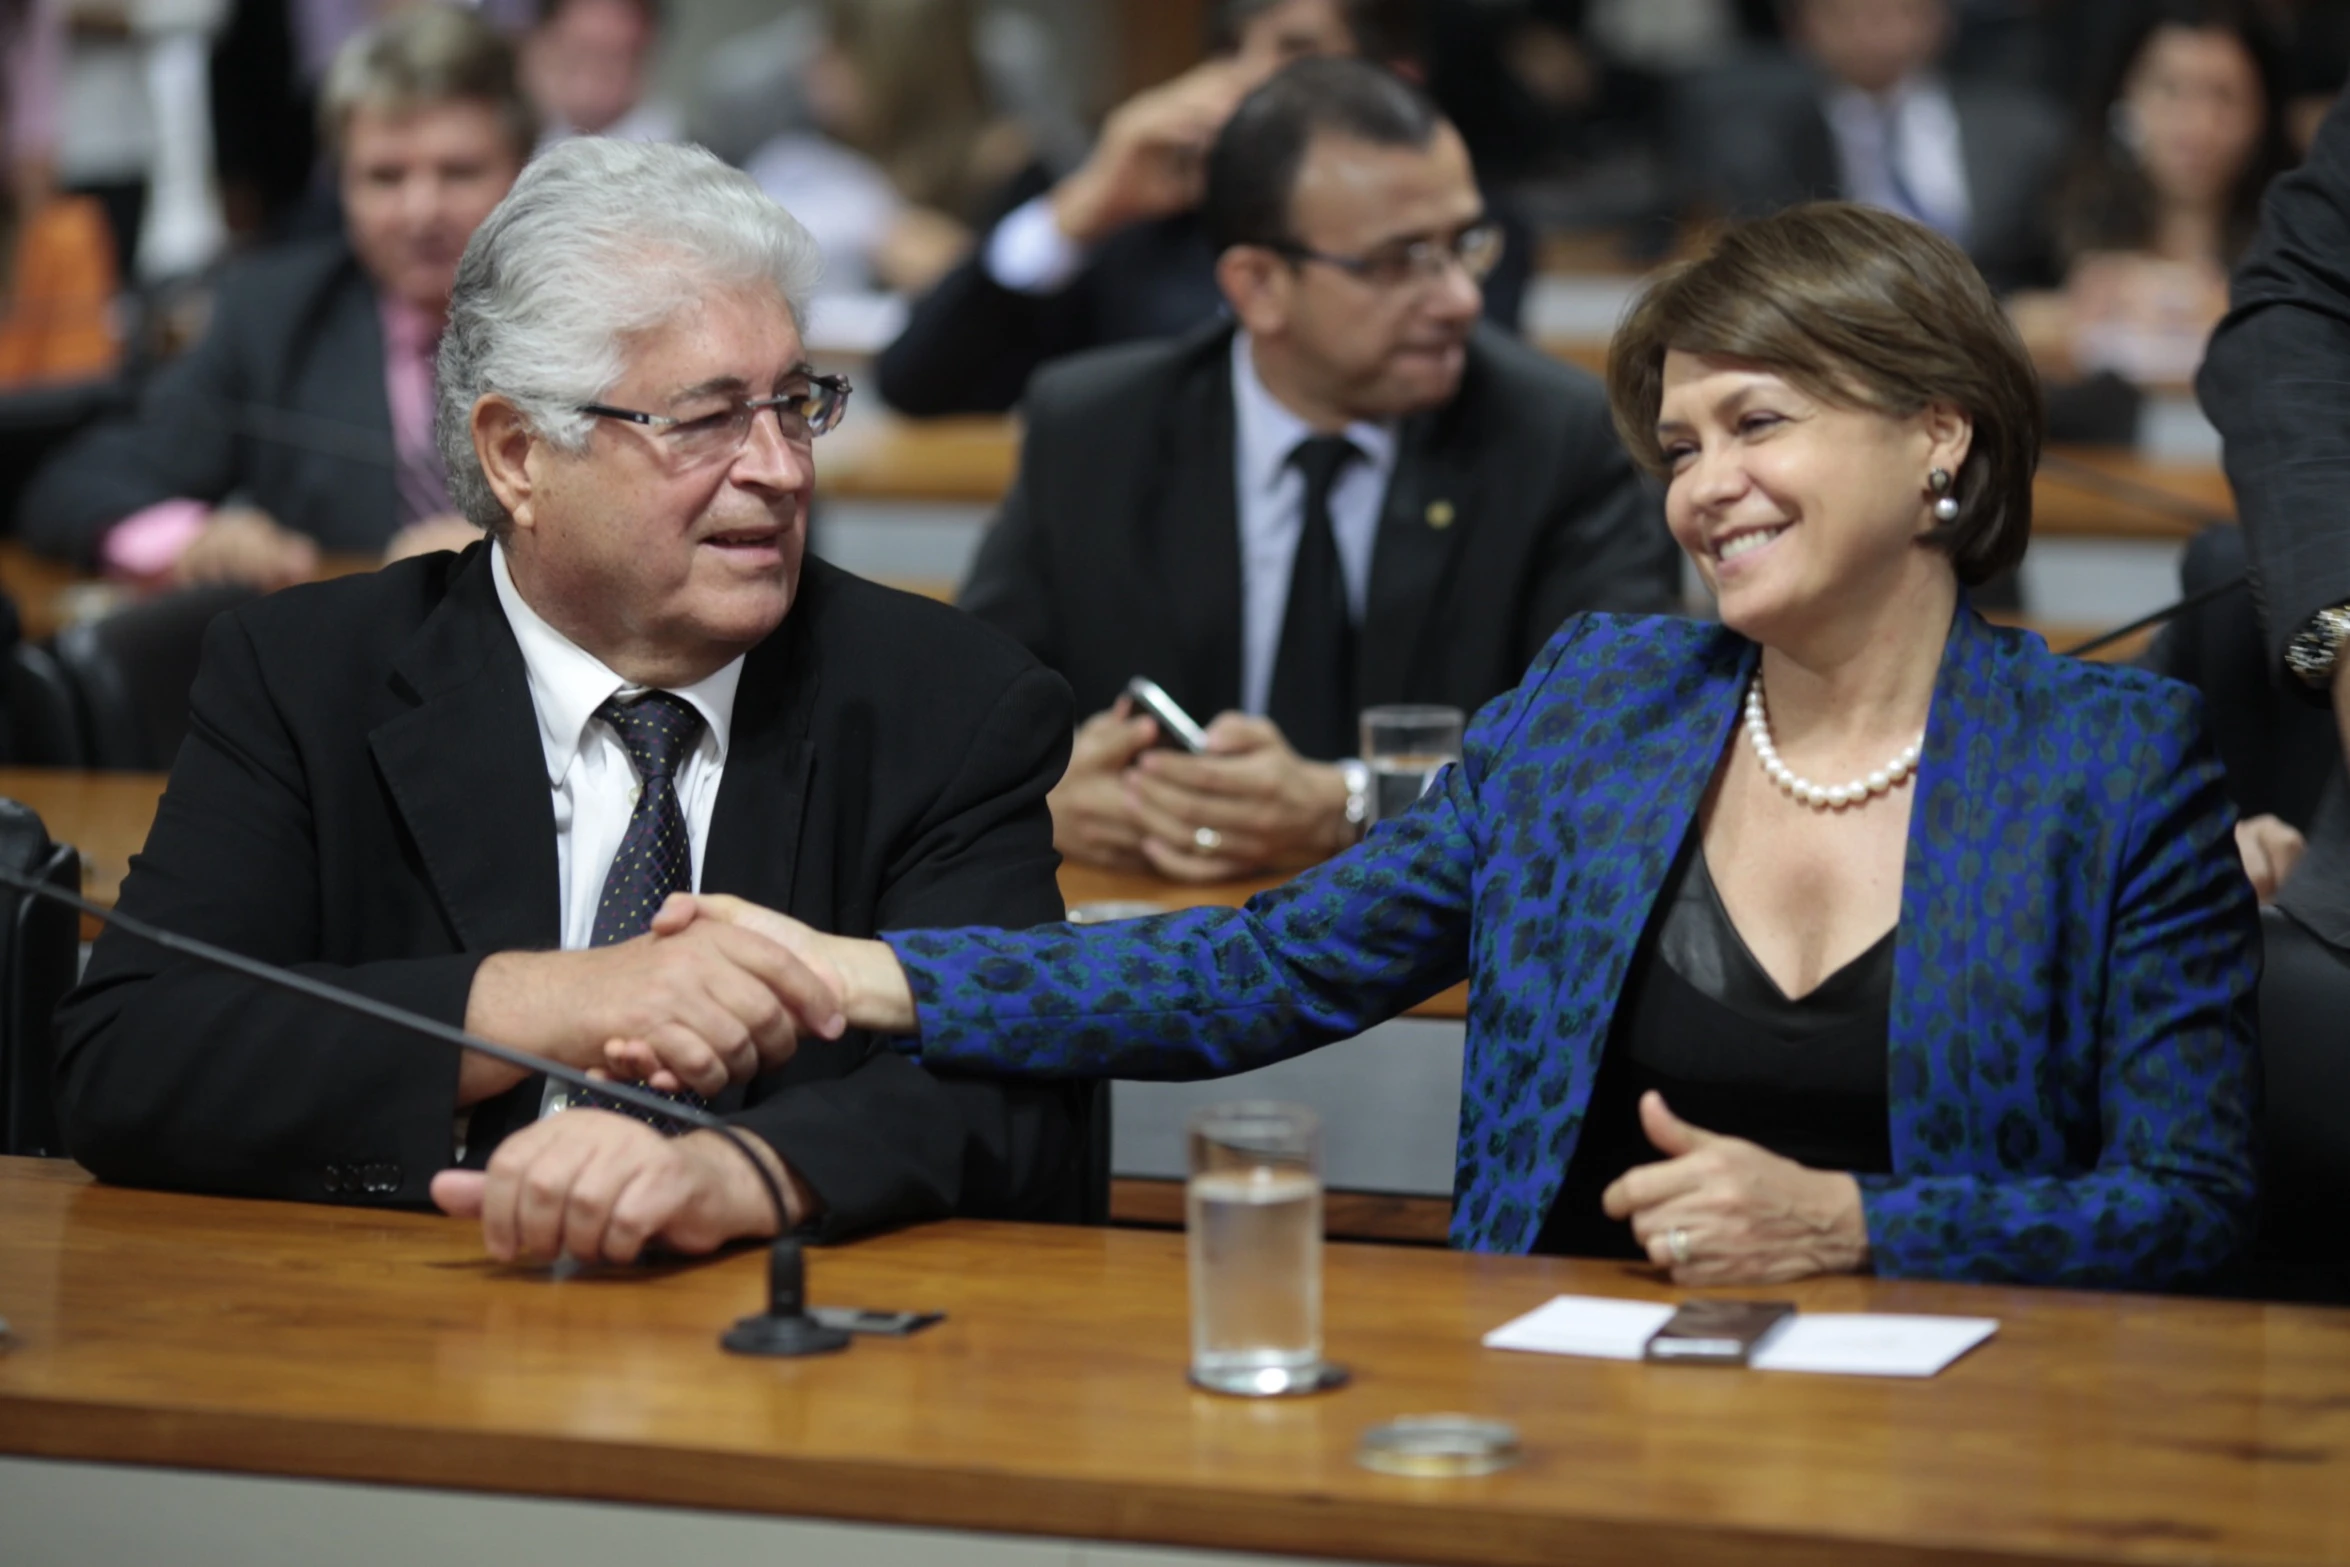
280,1338
106,816
2080,492
1084,884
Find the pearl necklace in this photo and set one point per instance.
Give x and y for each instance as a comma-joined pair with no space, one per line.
1802,790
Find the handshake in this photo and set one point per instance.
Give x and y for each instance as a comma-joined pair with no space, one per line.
716,993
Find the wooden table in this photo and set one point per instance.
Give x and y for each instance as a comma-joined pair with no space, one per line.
1083,884
106,816
365,1346
2107,493
2080,492
51,595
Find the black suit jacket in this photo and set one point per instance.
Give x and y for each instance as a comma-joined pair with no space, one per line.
2276,381
2011,142
971,344
280,405
363,795
1118,549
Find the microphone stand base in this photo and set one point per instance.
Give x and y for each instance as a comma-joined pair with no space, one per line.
788,1337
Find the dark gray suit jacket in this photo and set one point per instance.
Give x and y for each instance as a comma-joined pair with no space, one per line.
2277,383
1118,549
281,405
1780,152
362,795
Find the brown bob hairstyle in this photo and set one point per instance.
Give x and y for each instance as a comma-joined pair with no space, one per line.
1865,310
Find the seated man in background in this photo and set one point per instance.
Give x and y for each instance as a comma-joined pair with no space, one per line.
302,421
464,783
587,66
1875,121
1356,494
1116,251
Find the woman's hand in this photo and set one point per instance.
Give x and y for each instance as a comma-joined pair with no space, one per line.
864,974
1743,1215
2271,847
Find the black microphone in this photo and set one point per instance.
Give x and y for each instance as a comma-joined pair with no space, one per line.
2167,613
784,1329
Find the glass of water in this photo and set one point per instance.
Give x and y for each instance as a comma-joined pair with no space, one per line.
1405,748
1253,1213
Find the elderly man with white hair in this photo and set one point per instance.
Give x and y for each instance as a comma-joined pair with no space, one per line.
463,785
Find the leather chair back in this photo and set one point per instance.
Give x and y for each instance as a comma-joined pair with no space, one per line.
40,957
131,672
2303,1252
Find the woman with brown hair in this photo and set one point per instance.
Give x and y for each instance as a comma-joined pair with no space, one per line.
2163,195
906,154
1851,932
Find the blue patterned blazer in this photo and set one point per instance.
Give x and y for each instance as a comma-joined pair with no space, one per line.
2072,1075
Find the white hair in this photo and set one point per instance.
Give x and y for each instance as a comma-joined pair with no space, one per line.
598,241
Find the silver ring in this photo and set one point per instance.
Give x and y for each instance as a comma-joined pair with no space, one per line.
1206,839
1677,1245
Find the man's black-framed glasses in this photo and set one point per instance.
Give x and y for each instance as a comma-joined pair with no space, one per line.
808,408
1477,249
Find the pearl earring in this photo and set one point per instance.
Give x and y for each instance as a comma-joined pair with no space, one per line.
1945,504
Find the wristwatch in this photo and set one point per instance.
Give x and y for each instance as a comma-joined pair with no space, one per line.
2317,646
1358,797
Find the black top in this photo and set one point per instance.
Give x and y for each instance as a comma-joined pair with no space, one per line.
1703,1024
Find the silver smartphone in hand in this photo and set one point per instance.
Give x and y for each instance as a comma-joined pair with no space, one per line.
1176,726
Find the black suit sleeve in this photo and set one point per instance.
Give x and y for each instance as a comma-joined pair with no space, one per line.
1010,586
970,344
179,439
881,1139
2277,383
1604,544
175,1075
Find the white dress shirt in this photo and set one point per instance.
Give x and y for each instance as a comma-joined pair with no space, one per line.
1027,252
1902,152
1272,495
593,782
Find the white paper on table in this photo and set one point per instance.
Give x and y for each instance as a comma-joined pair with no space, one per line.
1871,1345
1584,1325
1841,1343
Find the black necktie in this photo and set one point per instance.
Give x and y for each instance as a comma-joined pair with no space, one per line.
1313,697
656,855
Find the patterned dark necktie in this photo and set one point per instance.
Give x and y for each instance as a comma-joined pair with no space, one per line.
1313,696
656,855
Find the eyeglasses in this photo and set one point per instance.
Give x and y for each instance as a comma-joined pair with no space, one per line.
803,413
1477,248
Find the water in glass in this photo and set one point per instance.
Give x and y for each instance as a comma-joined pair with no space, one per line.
1256,1275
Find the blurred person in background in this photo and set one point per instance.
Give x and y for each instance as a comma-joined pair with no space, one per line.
134,128
2163,196
1874,119
57,264
587,66
302,421
1114,251
903,154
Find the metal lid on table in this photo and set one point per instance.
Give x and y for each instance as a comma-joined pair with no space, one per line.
1439,1446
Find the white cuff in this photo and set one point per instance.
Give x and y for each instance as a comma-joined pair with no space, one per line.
1029,254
